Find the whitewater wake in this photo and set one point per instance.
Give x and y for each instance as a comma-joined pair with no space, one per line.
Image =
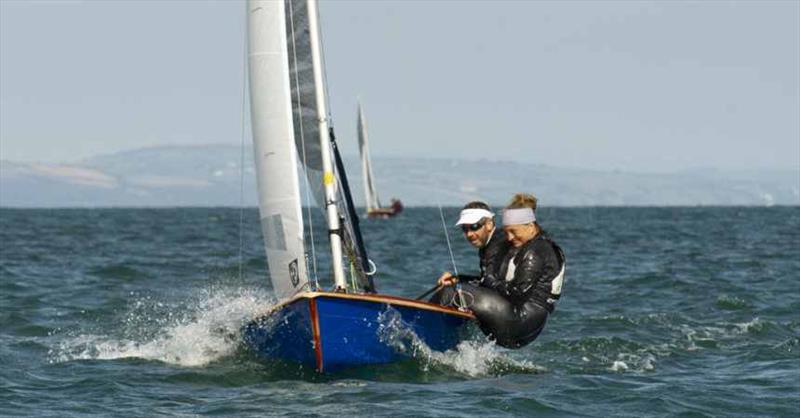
474,358
206,330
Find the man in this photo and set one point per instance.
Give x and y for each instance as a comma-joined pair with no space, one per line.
477,222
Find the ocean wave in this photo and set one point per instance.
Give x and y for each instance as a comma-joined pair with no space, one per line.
118,272
724,330
597,344
732,303
606,353
790,345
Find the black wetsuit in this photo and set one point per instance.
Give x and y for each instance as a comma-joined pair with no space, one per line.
491,257
514,311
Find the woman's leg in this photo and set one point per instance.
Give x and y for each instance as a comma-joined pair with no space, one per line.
495,314
532,318
510,326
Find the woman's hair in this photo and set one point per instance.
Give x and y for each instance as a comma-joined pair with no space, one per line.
522,200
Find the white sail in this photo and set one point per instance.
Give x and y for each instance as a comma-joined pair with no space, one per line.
274,147
290,125
370,192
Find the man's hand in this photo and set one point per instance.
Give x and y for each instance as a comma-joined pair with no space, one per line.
447,279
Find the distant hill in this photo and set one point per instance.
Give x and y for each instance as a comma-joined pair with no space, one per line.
210,176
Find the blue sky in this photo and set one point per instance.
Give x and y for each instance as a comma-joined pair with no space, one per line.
630,85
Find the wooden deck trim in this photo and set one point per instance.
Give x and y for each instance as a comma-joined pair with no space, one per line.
391,300
372,297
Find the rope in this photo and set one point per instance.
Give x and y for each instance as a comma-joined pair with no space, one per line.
374,268
461,303
353,276
303,148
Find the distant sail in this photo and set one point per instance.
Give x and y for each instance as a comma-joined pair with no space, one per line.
372,201
275,156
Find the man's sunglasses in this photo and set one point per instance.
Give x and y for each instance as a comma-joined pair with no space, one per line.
473,227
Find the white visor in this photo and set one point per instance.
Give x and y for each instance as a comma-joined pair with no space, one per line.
519,216
471,216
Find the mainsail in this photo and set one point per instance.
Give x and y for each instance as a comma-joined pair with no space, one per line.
370,192
274,150
290,132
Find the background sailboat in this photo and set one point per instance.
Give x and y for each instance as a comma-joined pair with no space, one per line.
371,199
292,142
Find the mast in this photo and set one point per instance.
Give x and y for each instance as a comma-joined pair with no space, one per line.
328,178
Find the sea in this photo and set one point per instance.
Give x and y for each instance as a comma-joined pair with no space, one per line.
686,311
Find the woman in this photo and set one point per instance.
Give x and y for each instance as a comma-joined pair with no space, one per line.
514,308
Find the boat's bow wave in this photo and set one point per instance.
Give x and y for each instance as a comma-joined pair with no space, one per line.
204,331
475,358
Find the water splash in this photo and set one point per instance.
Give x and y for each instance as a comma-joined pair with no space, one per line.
618,366
205,331
484,358
474,358
755,326
635,362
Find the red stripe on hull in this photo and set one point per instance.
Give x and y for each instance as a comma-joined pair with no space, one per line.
312,307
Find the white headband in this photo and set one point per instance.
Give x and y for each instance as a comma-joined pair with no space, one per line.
519,216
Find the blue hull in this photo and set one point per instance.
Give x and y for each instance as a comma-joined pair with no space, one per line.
331,331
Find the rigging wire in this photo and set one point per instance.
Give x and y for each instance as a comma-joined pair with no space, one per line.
461,304
303,147
324,71
447,237
241,152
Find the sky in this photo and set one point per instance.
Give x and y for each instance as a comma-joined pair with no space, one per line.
608,85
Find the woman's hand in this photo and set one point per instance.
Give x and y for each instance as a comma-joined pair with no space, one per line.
447,279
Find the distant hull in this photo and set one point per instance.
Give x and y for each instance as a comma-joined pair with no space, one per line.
381,213
332,331
384,213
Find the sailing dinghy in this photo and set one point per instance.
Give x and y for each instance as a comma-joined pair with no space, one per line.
373,203
342,325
